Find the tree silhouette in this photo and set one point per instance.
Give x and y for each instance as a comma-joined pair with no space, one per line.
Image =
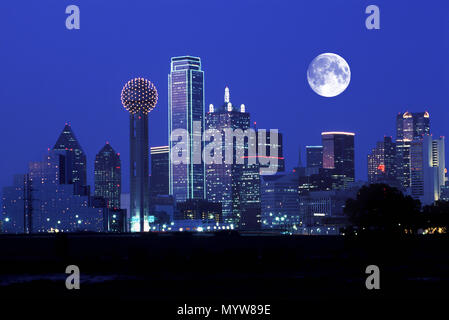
436,216
379,208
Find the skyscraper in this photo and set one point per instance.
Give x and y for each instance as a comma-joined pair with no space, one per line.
108,176
232,184
314,156
74,166
338,155
159,171
427,168
439,160
186,112
139,97
412,125
381,163
409,126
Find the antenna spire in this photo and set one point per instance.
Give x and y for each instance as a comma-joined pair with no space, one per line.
227,95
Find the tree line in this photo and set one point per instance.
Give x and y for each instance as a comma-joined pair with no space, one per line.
380,208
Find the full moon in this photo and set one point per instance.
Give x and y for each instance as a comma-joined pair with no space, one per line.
328,75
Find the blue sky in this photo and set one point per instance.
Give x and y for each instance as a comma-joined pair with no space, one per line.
260,49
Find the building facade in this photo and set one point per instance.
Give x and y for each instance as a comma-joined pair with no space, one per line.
338,156
322,211
56,205
186,110
409,126
108,176
314,156
16,206
235,184
74,166
382,163
159,179
427,164
280,202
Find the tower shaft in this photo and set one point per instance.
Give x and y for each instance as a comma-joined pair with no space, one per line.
139,170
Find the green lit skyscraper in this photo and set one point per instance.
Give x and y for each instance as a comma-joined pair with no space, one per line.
186,109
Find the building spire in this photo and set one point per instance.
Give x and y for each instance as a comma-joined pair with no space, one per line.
227,95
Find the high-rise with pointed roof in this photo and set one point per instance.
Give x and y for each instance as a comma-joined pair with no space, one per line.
108,176
73,167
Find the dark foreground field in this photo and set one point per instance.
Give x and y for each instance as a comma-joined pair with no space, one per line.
222,268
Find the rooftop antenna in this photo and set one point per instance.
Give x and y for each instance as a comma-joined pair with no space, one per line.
227,95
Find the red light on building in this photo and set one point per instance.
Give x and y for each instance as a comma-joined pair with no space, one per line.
265,157
381,167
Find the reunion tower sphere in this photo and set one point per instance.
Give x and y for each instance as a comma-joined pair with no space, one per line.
139,95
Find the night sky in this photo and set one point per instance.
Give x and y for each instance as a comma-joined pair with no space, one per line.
261,49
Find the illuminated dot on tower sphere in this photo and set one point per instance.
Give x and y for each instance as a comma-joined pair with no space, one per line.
139,95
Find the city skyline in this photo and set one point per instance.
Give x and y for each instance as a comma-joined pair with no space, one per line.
89,174
213,159
367,107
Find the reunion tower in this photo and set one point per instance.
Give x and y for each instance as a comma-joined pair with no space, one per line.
139,97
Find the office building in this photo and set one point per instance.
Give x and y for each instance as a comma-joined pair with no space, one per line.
314,156
322,211
16,206
235,184
108,176
186,112
159,180
338,156
427,164
382,163
280,202
74,165
409,126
